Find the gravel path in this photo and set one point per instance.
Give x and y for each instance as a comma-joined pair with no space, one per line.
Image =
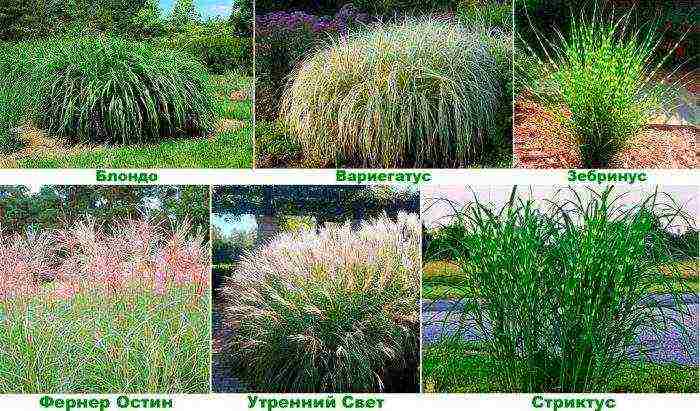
444,318
222,378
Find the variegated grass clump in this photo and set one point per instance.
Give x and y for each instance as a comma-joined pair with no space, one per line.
121,308
333,311
422,93
608,75
103,89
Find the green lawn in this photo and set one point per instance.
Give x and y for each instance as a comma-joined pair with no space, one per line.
229,147
226,150
463,367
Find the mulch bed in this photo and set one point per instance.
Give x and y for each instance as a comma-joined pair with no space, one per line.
540,141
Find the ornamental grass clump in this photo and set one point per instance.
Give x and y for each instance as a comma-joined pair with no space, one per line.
608,75
105,309
422,93
113,90
333,311
25,262
15,97
560,290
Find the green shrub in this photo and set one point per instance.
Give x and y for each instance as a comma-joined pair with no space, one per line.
421,93
215,46
489,13
15,98
12,115
112,90
335,311
564,286
607,77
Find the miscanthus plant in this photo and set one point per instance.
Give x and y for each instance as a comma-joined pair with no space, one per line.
419,93
333,311
607,72
15,99
105,309
561,288
103,89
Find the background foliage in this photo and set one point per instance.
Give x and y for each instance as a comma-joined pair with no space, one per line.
56,206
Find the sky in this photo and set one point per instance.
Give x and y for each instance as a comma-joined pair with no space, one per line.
207,8
230,223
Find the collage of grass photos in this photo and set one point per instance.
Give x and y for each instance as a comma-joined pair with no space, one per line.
290,287
344,289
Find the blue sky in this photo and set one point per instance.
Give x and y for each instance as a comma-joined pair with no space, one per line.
207,8
228,223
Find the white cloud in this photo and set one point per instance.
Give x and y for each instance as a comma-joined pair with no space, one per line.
219,9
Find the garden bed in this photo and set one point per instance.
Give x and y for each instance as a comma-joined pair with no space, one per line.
401,85
144,88
540,141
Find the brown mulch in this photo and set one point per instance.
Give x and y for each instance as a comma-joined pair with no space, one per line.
540,141
40,144
225,125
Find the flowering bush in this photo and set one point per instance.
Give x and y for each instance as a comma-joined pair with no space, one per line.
335,311
122,309
282,38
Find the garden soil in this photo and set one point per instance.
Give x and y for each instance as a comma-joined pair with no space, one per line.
540,141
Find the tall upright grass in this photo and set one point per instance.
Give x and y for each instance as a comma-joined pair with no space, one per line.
560,289
103,89
105,309
421,93
607,73
15,99
335,311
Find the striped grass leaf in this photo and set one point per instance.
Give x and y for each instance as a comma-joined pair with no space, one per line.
559,289
607,72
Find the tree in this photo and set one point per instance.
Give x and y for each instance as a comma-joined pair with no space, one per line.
241,18
58,206
148,22
326,203
183,14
